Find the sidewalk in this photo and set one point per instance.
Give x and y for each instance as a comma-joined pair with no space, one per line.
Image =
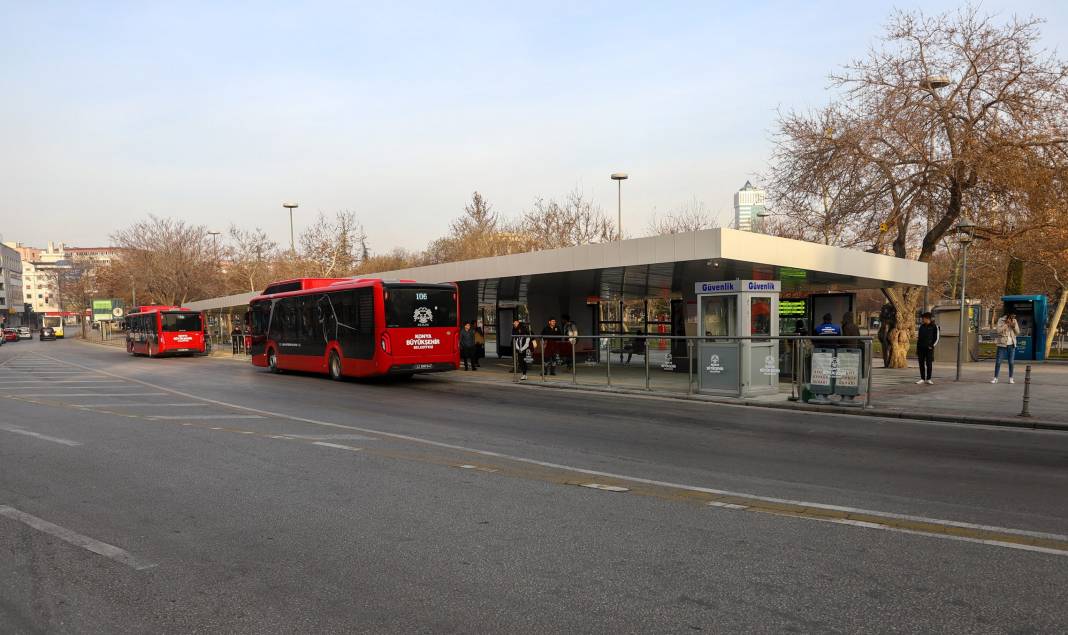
894,391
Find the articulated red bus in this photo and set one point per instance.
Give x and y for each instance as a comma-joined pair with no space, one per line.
349,327
164,330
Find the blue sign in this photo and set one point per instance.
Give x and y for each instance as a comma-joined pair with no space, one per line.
734,286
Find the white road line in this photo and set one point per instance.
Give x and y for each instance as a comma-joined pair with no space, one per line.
90,394
76,539
336,445
38,435
606,488
51,382
184,417
611,475
140,405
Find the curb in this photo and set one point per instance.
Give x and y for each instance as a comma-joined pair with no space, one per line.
885,413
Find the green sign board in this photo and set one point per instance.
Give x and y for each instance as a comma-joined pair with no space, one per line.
792,308
104,310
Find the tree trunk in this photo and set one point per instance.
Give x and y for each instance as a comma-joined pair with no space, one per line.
1014,274
905,301
1055,319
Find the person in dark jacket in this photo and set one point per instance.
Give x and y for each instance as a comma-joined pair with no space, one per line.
520,346
827,327
926,340
468,351
849,327
552,345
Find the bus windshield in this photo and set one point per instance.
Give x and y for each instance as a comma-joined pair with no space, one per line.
177,322
415,307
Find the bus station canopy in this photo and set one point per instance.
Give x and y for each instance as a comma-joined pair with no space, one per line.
659,266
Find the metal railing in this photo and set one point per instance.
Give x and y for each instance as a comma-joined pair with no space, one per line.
565,350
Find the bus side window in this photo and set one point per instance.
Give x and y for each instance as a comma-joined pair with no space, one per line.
364,308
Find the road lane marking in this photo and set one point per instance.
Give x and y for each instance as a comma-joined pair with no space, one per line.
1044,542
90,394
468,466
336,445
76,539
184,417
606,488
38,435
131,405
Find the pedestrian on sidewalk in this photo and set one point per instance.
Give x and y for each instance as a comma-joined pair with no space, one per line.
235,337
520,346
1007,329
552,345
850,327
570,329
926,340
480,344
467,347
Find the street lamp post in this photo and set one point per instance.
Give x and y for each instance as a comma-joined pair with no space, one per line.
967,236
292,242
619,177
215,245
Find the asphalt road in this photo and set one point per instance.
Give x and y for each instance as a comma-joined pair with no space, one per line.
198,495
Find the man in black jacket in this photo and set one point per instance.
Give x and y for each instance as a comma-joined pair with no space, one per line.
926,341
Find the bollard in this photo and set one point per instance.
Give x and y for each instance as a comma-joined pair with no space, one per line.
1026,412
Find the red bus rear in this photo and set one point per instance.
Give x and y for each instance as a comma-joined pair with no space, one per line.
355,327
164,330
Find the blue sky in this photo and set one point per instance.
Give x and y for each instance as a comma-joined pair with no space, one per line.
218,112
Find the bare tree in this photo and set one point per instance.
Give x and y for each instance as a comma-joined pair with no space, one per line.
932,126
250,257
691,216
167,261
332,248
574,221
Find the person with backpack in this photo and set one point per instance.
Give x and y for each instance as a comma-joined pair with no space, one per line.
521,343
926,340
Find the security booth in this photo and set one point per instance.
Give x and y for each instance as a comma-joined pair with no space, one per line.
738,309
1031,315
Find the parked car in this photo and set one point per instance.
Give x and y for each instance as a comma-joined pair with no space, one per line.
48,333
11,335
24,333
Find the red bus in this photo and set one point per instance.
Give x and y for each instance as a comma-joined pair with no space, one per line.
164,330
355,327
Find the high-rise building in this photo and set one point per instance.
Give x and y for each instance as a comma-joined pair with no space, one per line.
10,282
748,207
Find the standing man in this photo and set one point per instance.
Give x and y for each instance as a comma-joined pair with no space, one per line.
548,353
571,331
1007,329
926,340
520,346
828,327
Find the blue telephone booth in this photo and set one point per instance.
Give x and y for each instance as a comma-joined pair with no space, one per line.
1031,312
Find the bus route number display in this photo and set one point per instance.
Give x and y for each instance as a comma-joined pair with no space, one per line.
421,295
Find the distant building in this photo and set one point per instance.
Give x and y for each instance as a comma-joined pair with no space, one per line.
748,206
10,282
41,269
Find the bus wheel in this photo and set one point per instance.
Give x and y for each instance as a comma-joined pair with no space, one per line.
272,361
335,367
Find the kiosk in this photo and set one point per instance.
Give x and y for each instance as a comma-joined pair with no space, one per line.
738,309
1031,311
